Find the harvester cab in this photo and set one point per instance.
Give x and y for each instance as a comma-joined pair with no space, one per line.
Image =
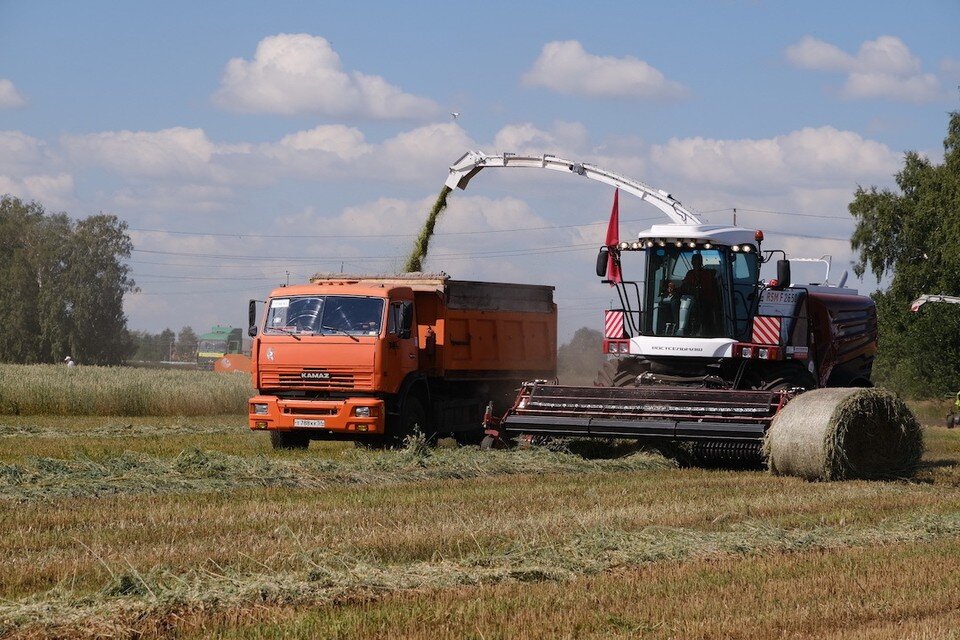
702,315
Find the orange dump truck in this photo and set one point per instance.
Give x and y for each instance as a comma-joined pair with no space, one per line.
372,359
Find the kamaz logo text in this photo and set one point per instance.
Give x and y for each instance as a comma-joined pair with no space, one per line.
314,375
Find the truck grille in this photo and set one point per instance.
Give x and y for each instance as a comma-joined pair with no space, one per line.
316,378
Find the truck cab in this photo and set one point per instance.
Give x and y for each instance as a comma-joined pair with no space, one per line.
323,354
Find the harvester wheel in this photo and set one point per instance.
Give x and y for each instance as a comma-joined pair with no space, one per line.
289,440
617,373
790,378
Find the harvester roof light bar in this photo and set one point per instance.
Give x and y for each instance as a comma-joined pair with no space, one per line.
681,243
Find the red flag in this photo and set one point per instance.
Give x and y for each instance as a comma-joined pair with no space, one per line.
613,239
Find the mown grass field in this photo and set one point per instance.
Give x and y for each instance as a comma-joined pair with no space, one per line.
192,526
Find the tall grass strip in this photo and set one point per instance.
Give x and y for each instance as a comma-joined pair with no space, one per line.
119,391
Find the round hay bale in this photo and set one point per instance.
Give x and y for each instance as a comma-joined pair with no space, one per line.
844,433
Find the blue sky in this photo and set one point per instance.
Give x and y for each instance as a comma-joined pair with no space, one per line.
317,121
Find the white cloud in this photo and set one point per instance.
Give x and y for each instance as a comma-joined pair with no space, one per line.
335,152
338,140
54,192
190,198
169,153
20,154
566,138
298,73
883,68
10,98
566,67
821,156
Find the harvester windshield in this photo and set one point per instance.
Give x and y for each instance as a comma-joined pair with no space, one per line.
699,292
321,315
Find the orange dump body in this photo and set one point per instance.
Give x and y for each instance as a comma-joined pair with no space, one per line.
449,336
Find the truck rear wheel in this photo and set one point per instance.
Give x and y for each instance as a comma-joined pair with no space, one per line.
289,440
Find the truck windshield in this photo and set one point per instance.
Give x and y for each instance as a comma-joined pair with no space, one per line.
212,346
319,315
688,293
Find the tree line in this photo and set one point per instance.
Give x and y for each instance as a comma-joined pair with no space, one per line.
62,283
912,236
165,346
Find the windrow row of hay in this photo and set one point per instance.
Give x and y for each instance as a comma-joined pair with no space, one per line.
119,391
137,603
200,471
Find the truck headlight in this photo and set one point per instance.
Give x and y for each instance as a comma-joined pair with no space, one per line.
361,412
259,409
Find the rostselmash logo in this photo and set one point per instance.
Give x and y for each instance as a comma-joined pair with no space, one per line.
658,347
314,375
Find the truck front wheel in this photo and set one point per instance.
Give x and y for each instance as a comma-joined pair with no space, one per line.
289,440
412,418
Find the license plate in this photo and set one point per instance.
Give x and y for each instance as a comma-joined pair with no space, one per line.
301,422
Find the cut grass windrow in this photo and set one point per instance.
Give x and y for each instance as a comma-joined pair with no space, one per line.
135,603
200,471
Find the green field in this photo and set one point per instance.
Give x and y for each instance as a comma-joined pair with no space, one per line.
193,526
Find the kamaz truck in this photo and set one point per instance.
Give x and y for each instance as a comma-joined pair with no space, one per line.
374,359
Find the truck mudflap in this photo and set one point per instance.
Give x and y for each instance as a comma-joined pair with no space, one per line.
656,413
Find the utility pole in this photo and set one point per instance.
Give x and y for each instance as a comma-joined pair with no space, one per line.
734,216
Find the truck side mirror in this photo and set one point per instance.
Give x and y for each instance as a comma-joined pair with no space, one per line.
783,273
252,319
602,262
401,319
